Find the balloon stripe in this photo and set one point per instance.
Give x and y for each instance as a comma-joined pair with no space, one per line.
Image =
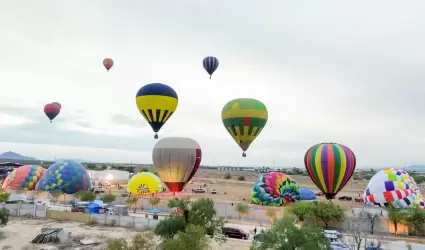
307,163
316,167
331,168
324,167
351,165
338,167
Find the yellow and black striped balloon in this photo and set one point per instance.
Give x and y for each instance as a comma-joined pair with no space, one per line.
156,102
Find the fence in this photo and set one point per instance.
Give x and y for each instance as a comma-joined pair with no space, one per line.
21,209
124,221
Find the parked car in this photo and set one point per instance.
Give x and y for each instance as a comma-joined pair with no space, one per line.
333,232
339,246
234,233
198,190
213,191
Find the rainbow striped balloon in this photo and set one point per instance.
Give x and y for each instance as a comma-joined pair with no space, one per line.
330,166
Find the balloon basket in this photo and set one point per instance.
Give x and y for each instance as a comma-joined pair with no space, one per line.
155,136
243,154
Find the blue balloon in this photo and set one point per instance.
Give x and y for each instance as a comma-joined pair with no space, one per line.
307,194
66,176
210,64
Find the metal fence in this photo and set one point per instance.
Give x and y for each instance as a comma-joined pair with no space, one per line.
21,209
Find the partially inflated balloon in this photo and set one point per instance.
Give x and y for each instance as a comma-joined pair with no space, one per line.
24,178
108,63
176,160
144,183
210,64
156,102
52,110
330,166
275,189
244,119
393,187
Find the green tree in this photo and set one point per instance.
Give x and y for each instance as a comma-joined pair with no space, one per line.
227,176
416,219
242,209
91,166
201,213
241,178
4,216
271,213
154,201
138,242
4,196
86,196
302,209
132,203
284,235
145,170
326,212
192,238
108,198
103,167
55,194
397,216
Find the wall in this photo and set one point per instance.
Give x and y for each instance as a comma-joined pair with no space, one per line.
141,223
25,210
62,215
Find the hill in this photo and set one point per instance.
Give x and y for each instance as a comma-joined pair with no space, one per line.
416,168
15,156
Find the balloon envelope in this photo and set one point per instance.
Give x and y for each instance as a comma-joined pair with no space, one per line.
156,102
210,64
244,119
24,178
393,187
176,160
144,183
108,63
66,176
330,166
306,194
51,110
275,189
57,103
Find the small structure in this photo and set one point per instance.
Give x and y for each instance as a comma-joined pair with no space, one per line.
93,208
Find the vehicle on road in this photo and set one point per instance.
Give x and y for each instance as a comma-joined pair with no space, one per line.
198,190
333,232
234,233
339,246
213,191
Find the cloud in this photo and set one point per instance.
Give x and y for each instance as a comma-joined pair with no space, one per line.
331,71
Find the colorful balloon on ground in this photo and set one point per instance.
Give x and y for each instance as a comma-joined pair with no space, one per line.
156,102
52,110
176,160
244,119
210,64
330,166
306,194
144,183
393,187
275,189
66,176
24,178
108,63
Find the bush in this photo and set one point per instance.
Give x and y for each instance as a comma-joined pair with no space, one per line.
227,176
241,178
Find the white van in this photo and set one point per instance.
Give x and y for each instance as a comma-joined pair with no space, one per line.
333,233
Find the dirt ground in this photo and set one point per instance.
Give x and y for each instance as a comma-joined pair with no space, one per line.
17,235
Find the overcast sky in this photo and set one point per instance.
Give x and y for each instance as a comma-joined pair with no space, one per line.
350,72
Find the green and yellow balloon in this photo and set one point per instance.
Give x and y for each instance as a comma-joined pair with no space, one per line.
244,119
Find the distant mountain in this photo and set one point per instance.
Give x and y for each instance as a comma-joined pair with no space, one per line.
15,156
416,168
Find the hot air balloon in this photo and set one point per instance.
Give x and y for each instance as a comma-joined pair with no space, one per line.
52,110
66,176
108,63
144,183
244,119
210,64
24,178
176,161
156,102
275,189
57,103
393,187
330,166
